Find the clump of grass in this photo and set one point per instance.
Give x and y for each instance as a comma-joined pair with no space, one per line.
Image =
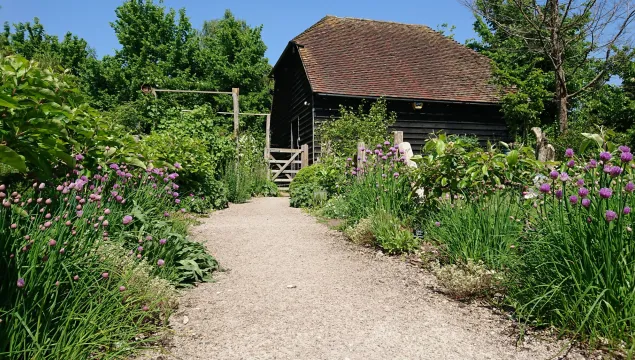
487,229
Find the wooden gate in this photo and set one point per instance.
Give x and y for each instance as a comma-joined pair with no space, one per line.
285,163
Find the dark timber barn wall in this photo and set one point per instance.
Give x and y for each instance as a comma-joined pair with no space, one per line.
482,120
291,109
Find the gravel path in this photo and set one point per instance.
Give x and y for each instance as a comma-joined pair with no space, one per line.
294,289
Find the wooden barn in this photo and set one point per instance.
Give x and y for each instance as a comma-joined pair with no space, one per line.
431,82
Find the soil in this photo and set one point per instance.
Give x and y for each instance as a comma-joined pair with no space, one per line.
294,289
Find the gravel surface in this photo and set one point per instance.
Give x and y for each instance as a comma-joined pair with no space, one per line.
294,289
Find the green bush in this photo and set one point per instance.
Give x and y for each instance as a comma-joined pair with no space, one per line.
320,179
391,235
303,195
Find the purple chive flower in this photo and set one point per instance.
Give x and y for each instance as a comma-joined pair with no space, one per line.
629,187
545,188
605,156
122,288
564,177
127,219
553,174
559,194
105,275
626,157
114,166
580,182
349,159
607,169
140,248
21,283
627,210
163,241
624,149
386,142
52,242
177,165
583,192
615,171
593,163
573,199
571,163
79,213
79,157
610,215
396,175
568,153
177,201
586,203
160,262
605,193
166,214
437,224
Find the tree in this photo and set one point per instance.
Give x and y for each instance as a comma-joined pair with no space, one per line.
569,35
31,41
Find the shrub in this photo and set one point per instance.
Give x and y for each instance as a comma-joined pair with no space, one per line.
577,270
391,235
344,133
335,208
487,229
302,196
467,279
362,232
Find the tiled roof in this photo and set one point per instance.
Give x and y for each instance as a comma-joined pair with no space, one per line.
358,57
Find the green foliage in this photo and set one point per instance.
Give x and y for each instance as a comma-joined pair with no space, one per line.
467,279
324,176
368,126
578,258
446,167
303,195
485,230
105,294
391,235
198,175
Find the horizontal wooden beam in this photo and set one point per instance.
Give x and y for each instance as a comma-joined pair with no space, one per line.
194,91
288,151
284,162
251,114
282,180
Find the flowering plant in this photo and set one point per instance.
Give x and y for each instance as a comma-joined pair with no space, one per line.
580,253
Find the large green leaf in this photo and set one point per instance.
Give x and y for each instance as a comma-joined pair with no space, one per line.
512,158
12,158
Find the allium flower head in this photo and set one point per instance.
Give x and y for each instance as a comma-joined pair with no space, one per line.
580,182
105,275
615,171
571,163
162,241
437,224
52,242
122,288
160,262
564,176
629,187
610,215
605,156
624,149
593,163
21,283
559,194
386,142
177,165
573,199
114,166
626,157
545,188
583,192
79,157
586,203
568,153
127,219
605,193
627,210
553,174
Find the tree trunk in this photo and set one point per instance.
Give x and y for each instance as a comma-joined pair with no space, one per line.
557,56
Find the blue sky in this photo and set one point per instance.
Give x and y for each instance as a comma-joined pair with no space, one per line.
282,19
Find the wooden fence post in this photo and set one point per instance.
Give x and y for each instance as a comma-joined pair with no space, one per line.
398,137
267,135
305,155
361,154
235,92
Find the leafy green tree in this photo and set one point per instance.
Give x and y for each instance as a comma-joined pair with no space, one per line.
31,41
574,40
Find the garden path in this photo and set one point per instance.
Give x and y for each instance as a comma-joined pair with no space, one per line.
295,289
